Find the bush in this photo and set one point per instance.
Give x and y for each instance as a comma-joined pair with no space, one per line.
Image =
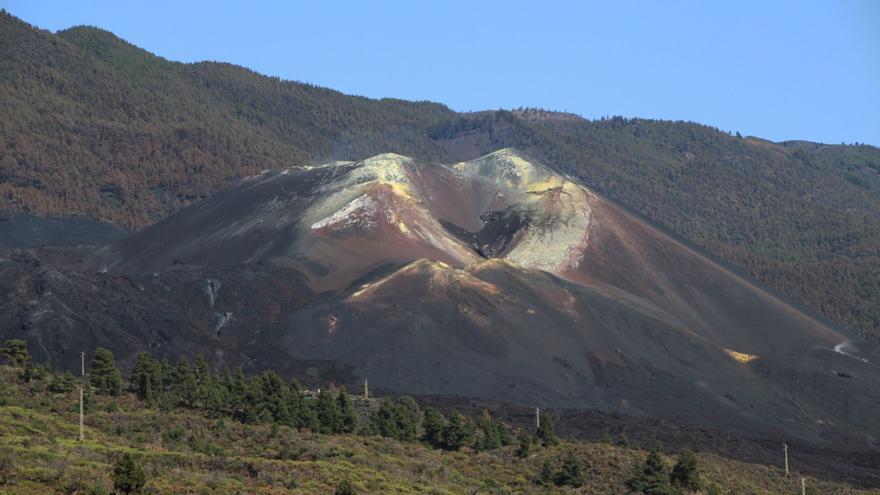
525,444
685,473
652,477
128,476
15,353
62,383
570,474
344,488
545,431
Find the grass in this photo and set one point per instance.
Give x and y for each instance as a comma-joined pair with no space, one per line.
185,452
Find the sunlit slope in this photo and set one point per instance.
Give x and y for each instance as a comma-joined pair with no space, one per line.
502,278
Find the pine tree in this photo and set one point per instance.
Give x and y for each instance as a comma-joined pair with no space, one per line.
217,400
525,444
459,432
294,399
204,382
652,477
103,373
385,421
434,426
252,405
62,383
15,353
308,416
128,476
408,416
685,473
570,474
348,417
184,382
545,475
274,396
545,432
143,380
328,413
490,432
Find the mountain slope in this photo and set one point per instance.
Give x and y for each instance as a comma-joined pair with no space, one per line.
496,278
95,127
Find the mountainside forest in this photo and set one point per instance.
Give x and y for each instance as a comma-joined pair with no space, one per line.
92,126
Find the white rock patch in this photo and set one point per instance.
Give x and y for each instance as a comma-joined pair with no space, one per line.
359,211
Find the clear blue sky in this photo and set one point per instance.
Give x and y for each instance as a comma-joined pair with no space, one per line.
775,69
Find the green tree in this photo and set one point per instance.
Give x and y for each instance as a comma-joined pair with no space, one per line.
103,373
459,432
216,401
33,371
184,383
128,476
347,416
308,416
204,382
274,397
328,413
652,477
545,475
295,408
408,416
62,383
434,424
545,433
252,402
385,420
525,444
685,473
15,353
570,473
146,379
493,434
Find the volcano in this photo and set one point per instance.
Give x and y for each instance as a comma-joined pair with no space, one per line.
497,278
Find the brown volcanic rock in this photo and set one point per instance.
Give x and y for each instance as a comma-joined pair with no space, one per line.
496,278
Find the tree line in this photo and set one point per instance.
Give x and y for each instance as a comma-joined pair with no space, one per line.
266,398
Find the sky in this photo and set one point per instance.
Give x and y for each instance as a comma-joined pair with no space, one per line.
776,69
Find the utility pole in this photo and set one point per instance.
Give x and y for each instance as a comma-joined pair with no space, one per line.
366,390
785,449
81,412
82,370
537,418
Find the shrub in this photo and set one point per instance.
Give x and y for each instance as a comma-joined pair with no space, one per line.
15,353
525,444
62,383
686,473
652,477
128,476
344,488
570,474
545,431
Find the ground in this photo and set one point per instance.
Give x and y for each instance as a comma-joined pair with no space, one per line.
185,452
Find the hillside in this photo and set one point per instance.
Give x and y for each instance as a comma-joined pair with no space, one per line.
182,450
95,127
493,279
